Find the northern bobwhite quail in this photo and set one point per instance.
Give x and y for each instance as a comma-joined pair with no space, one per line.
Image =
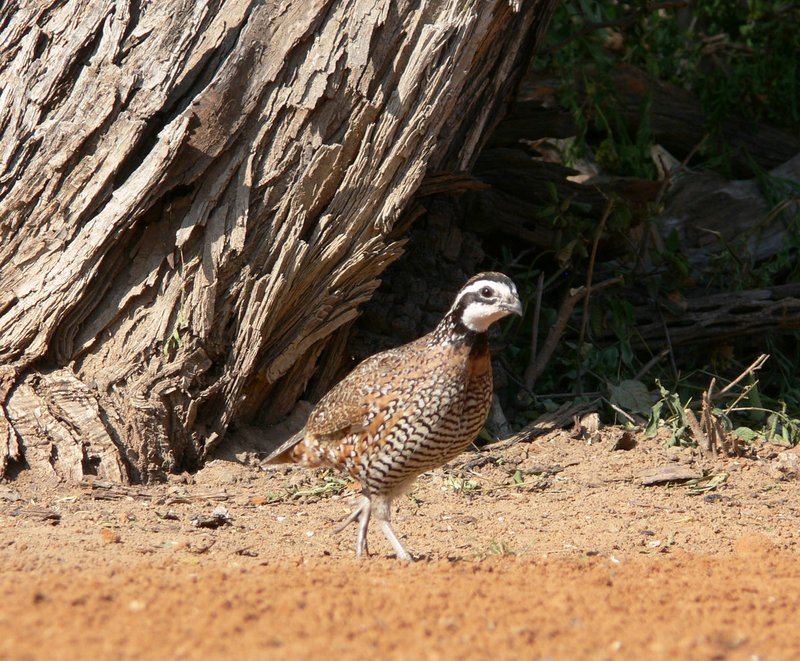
407,410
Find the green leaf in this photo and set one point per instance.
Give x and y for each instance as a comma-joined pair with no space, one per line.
632,396
746,434
706,483
655,416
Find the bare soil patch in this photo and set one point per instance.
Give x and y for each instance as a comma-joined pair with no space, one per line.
551,549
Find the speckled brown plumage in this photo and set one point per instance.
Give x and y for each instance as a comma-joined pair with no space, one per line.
410,409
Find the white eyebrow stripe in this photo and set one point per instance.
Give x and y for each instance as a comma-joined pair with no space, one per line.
480,284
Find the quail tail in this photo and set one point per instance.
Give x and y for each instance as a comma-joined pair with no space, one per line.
283,454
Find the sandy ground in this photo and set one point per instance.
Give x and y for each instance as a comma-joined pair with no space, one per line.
548,550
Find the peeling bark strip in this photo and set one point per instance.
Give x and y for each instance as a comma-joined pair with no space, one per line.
9,441
195,195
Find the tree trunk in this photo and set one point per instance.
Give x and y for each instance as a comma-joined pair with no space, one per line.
196,196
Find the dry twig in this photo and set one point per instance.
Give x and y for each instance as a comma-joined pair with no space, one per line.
708,433
756,365
557,330
537,311
698,433
548,422
589,277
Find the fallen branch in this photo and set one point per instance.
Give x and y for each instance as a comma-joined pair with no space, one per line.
449,182
548,422
702,318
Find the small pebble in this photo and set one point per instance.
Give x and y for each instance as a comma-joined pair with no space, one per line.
110,536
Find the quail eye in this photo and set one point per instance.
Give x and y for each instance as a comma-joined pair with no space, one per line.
487,292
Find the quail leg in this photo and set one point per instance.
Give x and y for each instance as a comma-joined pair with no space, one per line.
361,512
383,512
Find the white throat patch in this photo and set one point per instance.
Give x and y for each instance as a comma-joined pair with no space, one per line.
479,316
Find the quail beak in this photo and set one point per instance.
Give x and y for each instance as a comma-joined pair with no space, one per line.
513,307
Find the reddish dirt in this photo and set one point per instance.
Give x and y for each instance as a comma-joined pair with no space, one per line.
580,560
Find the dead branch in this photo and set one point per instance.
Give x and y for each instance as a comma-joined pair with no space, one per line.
756,365
449,182
697,431
557,330
554,335
729,314
651,363
546,423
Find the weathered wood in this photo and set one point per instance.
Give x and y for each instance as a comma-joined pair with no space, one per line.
730,314
9,440
449,182
38,513
195,196
679,123
668,473
545,424
104,490
710,213
59,417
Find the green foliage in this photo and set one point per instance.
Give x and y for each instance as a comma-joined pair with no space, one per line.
671,412
462,485
325,485
753,49
499,547
738,56
757,423
175,340
631,396
709,482
733,56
